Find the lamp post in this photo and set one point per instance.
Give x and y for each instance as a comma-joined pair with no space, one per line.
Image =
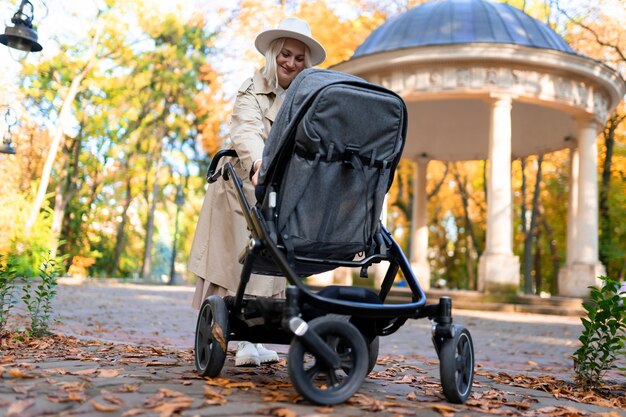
7,143
22,36
179,201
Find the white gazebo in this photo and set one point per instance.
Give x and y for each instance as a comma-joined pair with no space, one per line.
483,80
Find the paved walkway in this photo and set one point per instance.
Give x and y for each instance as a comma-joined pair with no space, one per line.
148,367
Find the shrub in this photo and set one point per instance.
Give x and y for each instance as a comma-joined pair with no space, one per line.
39,304
7,289
603,338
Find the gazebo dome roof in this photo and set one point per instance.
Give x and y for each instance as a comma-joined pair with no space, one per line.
448,22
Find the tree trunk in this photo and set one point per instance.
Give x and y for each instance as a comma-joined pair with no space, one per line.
461,184
530,231
146,266
65,191
59,133
470,264
440,183
603,204
60,203
485,179
554,255
537,262
119,235
525,226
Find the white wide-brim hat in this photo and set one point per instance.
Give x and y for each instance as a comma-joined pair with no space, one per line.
294,28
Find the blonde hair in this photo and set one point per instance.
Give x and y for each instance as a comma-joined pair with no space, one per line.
270,70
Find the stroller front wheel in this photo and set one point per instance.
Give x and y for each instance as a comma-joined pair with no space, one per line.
211,337
320,383
456,365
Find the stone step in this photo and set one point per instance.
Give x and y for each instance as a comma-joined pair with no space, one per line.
474,300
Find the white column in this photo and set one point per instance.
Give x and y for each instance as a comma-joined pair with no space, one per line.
498,268
380,269
572,207
583,268
419,241
587,218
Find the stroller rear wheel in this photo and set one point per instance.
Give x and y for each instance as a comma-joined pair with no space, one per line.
320,383
372,350
456,365
211,337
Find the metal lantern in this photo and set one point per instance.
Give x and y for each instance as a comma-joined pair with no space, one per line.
22,35
7,141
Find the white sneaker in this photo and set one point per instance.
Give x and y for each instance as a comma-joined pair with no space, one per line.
247,355
266,355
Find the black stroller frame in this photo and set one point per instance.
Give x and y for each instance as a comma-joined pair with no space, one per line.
334,333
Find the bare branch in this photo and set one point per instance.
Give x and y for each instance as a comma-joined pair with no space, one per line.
600,42
438,186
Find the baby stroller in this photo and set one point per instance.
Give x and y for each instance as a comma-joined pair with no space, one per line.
327,165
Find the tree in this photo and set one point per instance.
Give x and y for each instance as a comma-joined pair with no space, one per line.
529,223
595,29
133,106
64,113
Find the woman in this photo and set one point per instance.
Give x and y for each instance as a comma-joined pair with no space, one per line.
221,233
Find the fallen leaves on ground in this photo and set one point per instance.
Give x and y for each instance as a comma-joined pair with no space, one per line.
606,396
22,355
68,397
92,364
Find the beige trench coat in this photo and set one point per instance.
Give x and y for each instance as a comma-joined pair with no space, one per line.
221,232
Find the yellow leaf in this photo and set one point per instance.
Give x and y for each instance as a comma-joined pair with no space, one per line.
17,408
71,396
129,388
170,393
58,371
133,412
160,363
212,397
108,373
104,408
112,399
240,385
283,412
177,404
16,373
84,371
218,334
444,409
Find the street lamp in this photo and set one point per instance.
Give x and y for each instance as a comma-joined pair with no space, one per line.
22,36
7,143
179,201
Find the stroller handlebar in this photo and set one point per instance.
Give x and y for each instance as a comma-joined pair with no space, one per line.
212,175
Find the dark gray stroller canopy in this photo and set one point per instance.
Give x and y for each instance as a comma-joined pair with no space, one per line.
330,159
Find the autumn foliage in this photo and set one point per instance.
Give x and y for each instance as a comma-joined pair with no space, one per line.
148,91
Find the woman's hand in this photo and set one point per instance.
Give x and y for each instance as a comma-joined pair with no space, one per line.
255,176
